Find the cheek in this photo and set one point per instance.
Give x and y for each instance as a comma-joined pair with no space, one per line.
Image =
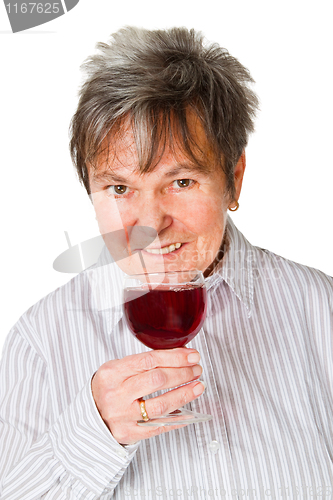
202,217
107,213
208,223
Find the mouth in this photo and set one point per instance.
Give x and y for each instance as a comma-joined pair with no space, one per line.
164,250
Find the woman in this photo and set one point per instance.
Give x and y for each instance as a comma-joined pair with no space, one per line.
158,140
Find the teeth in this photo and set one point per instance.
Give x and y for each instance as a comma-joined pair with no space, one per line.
162,251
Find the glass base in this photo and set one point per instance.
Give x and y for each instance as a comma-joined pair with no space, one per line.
177,417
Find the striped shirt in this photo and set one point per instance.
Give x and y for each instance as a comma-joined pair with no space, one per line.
266,353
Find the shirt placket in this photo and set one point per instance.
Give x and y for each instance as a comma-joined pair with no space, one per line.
212,437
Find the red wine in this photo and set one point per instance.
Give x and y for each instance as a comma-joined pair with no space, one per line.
165,319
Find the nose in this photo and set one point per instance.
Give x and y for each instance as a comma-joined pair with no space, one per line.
153,213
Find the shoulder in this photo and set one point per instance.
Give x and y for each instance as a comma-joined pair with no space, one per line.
76,305
68,296
292,274
51,314
273,275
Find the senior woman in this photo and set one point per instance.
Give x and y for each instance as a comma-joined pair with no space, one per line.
158,140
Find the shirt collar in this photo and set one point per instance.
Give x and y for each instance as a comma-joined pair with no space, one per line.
235,269
106,288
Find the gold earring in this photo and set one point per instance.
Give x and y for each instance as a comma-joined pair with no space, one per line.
233,209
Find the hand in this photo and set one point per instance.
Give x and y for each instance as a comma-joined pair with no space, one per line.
117,385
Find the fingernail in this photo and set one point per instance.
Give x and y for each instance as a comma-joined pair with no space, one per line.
199,389
197,370
194,357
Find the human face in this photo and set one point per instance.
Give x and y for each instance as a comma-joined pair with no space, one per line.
184,204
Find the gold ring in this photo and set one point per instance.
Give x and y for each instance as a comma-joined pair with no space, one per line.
143,410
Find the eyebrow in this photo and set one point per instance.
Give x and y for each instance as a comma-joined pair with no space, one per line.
191,168
108,175
113,177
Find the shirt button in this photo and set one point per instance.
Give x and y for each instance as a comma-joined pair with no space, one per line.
121,453
214,447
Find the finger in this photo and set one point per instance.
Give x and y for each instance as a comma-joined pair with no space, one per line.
139,363
119,370
165,403
114,372
125,429
159,379
173,400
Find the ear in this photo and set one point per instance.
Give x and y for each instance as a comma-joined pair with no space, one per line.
239,174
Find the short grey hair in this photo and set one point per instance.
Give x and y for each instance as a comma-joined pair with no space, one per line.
153,78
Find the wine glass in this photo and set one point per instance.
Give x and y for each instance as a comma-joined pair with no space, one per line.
165,311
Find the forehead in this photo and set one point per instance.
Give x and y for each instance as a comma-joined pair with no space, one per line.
142,151
121,174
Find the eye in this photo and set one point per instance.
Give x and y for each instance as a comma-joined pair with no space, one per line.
118,190
184,183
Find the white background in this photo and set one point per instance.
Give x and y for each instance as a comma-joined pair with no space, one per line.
286,204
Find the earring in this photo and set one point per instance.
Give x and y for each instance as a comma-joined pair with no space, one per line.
233,209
